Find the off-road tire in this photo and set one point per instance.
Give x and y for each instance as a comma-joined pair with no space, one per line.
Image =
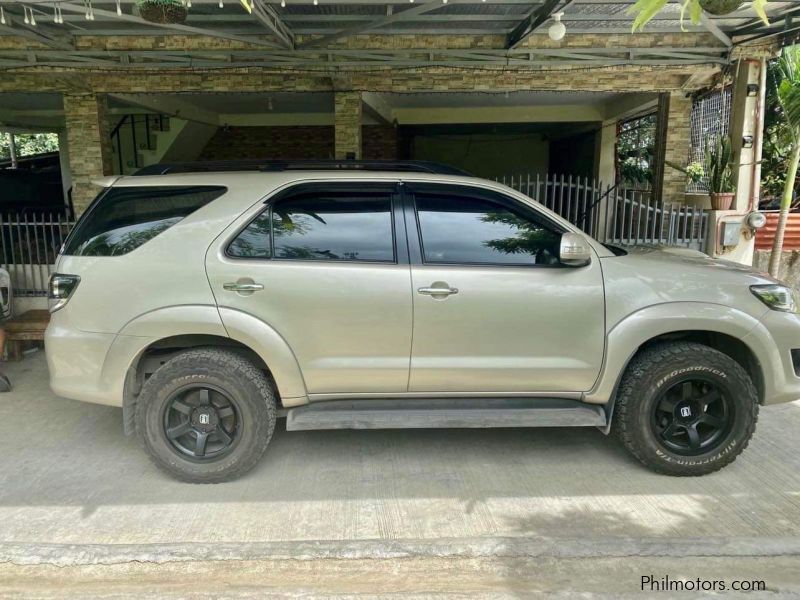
240,380
646,377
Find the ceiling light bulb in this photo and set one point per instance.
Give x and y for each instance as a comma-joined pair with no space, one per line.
188,3
557,30
2,16
221,4
316,2
33,19
283,3
26,19
119,8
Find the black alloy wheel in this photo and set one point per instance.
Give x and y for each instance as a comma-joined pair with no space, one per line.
201,422
692,416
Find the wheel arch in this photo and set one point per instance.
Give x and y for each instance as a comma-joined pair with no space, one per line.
172,330
719,327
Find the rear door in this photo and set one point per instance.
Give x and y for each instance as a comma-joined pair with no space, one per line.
494,310
330,277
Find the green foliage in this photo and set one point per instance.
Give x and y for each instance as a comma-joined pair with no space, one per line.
719,162
779,135
29,144
636,142
645,10
695,172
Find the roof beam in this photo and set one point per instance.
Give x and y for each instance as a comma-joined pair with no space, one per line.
532,22
130,60
714,30
404,15
67,6
29,33
270,19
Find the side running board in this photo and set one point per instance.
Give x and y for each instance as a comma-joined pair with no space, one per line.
443,413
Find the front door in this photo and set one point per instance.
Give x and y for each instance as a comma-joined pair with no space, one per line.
494,310
330,279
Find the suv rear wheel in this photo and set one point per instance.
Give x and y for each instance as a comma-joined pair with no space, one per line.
685,409
206,416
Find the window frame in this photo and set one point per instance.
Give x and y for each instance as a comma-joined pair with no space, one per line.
389,188
415,240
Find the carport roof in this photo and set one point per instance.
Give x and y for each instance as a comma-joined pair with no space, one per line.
292,32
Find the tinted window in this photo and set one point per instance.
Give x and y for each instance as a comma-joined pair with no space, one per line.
124,218
458,229
321,227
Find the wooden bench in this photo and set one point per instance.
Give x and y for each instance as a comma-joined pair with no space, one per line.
29,326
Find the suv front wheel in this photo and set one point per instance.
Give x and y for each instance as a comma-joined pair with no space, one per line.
206,415
685,409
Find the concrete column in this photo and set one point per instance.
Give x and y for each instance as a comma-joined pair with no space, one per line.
606,153
744,120
674,131
63,161
88,144
747,118
347,124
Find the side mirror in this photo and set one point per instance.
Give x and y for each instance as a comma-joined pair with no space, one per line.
574,250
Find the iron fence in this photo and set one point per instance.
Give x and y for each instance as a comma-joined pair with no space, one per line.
614,214
29,244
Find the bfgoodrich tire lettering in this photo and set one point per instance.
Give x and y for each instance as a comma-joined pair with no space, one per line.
242,404
659,404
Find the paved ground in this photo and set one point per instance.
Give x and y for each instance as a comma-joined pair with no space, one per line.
525,505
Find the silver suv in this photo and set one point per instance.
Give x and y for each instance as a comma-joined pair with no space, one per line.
206,303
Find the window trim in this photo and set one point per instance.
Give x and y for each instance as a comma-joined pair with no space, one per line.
389,188
444,189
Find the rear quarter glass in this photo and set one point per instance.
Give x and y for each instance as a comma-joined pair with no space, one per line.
122,219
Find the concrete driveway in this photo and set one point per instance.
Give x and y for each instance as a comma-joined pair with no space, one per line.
496,511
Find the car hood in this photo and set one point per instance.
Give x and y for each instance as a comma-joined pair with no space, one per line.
671,257
648,276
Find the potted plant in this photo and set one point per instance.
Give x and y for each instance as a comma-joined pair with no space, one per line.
719,167
162,11
645,10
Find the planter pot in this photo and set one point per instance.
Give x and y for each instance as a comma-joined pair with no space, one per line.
160,12
722,201
720,7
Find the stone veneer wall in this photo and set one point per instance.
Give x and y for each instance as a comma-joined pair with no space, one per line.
83,88
677,143
89,144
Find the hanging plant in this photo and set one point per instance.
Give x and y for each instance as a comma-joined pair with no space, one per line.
162,11
645,10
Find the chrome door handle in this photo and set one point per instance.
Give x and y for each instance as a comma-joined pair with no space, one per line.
242,287
437,291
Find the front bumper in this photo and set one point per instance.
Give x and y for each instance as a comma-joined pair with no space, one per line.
773,341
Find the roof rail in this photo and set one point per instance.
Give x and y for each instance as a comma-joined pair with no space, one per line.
412,166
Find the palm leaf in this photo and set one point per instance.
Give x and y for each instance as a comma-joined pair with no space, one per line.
759,6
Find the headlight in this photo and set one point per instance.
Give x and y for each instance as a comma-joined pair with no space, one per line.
777,297
61,288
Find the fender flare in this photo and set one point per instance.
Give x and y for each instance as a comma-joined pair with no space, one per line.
629,334
140,333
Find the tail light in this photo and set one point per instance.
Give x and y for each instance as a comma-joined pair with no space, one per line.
61,288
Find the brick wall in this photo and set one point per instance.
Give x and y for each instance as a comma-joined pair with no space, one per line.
294,143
